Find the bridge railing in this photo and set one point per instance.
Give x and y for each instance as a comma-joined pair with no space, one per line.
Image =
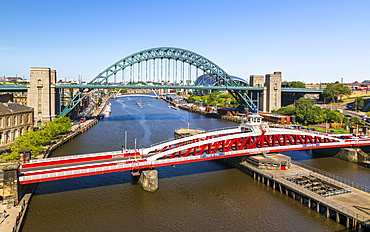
332,176
75,156
218,129
324,200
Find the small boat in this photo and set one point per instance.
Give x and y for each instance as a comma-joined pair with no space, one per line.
139,104
173,107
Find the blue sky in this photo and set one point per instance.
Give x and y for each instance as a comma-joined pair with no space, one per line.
310,41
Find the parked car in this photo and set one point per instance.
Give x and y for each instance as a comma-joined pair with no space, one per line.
298,127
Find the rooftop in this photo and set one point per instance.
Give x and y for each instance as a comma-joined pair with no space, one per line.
13,107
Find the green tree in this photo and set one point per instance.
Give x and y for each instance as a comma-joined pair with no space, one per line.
304,102
100,100
359,103
333,92
193,99
343,91
286,110
57,126
356,120
333,115
294,84
35,140
306,112
330,93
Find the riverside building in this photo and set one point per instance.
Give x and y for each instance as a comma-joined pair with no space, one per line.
15,120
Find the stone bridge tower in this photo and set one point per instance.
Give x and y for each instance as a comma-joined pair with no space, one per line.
273,88
258,81
270,98
41,94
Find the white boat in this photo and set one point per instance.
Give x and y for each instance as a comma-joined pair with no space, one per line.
139,104
173,107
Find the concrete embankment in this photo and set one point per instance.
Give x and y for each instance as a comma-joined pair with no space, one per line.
76,130
345,204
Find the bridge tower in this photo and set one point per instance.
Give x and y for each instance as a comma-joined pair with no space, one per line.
273,88
258,81
270,98
41,94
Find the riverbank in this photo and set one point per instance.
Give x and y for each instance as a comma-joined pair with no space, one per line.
75,130
15,213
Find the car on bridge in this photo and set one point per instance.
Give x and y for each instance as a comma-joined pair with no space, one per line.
298,127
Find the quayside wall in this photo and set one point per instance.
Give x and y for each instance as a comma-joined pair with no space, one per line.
326,205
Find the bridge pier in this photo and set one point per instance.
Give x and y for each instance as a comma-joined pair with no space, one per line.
352,154
10,184
149,180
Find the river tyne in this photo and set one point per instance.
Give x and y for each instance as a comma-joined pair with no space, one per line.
203,196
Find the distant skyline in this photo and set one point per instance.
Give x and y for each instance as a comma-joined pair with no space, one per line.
311,41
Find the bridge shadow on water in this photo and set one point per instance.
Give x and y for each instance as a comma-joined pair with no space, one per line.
315,154
125,177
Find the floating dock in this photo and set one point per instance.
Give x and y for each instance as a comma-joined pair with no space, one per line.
326,195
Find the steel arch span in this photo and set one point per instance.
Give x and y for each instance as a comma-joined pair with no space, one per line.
178,54
170,53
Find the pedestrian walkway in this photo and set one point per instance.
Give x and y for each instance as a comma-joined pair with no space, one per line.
9,222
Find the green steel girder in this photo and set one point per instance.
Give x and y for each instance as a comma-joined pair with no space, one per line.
74,102
245,102
178,54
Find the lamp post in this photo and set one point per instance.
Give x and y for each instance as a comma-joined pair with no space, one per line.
26,154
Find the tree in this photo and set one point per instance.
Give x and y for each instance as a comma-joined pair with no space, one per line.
57,126
330,93
333,115
294,84
286,110
35,140
304,102
356,120
306,112
359,103
333,92
342,90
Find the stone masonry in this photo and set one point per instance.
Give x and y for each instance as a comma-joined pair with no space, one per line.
41,94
